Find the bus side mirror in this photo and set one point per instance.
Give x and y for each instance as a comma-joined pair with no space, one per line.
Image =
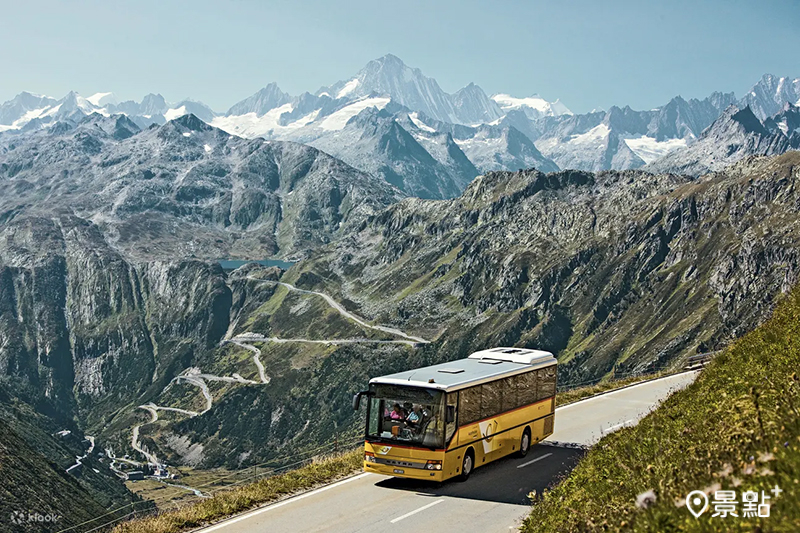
357,399
450,414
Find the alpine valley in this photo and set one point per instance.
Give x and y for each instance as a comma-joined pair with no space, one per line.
412,226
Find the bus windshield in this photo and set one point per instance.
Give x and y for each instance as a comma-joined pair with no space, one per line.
411,415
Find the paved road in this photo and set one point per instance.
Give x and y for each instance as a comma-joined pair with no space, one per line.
494,499
344,312
256,359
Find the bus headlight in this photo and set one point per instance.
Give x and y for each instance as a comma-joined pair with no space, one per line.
434,465
369,457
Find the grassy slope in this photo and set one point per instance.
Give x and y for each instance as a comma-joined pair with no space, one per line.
736,425
247,497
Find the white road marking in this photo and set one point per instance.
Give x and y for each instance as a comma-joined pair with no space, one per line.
417,511
534,460
226,523
612,428
610,393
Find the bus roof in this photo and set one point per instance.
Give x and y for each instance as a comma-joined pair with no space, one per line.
485,365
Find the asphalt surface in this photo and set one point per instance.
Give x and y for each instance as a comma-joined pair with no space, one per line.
494,499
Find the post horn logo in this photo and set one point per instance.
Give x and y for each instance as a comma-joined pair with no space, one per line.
488,434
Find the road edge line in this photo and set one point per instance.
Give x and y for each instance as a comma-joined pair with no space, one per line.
278,503
629,386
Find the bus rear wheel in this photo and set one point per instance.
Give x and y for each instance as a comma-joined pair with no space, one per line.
467,465
524,443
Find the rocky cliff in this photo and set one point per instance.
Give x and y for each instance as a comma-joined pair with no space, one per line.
185,189
616,268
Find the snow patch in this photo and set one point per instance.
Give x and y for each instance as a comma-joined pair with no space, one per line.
187,134
102,99
649,149
508,102
84,104
207,148
559,108
30,115
251,125
303,121
338,119
418,123
172,114
594,136
349,87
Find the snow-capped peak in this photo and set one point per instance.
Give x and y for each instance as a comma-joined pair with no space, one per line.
102,99
534,106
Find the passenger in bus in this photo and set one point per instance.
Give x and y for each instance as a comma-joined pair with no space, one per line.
415,416
397,413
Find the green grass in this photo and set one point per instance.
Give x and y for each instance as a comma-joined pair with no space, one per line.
735,428
233,501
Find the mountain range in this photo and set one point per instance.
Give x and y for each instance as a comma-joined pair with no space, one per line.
447,216
437,142
192,189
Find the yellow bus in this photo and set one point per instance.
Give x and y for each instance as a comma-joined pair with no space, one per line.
445,420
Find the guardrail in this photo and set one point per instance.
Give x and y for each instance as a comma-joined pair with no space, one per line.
699,360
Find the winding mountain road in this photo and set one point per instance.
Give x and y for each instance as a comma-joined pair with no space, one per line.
256,358
151,458
194,376
344,312
198,382
79,459
255,337
493,500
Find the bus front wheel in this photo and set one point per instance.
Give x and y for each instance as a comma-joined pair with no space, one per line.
467,465
524,443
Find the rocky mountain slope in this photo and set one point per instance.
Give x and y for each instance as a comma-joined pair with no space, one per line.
624,270
614,272
769,96
185,189
32,485
623,138
387,146
616,268
51,470
736,134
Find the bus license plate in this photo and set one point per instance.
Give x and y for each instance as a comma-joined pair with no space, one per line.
399,471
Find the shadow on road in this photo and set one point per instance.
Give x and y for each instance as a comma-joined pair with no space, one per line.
503,481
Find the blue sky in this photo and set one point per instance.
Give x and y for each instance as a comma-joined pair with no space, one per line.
587,53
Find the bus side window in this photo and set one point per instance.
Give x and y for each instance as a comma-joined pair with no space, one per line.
547,382
491,399
469,405
526,388
509,387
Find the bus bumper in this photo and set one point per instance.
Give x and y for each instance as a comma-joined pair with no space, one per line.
413,473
